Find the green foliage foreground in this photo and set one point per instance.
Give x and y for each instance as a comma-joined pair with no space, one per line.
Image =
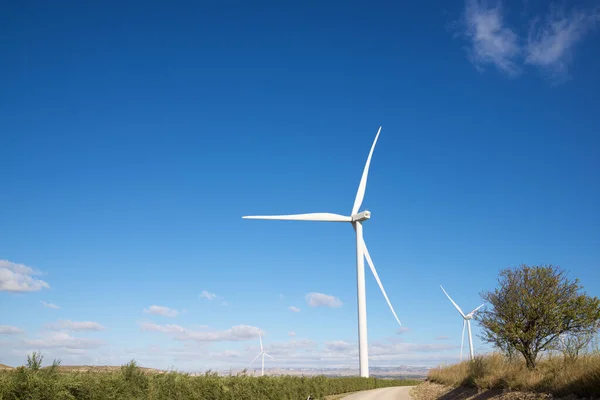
132,383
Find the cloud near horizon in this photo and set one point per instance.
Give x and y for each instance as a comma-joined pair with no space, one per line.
77,326
207,295
322,300
163,311
10,330
50,305
19,278
177,332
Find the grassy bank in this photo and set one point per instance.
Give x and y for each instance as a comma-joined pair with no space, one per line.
131,383
553,375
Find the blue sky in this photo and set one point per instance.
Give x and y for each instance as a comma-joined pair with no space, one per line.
134,136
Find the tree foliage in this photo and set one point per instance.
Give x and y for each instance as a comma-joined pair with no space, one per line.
532,307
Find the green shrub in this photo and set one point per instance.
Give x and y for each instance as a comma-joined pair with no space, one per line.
132,383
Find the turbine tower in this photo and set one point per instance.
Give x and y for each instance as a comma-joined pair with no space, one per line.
263,354
356,219
466,321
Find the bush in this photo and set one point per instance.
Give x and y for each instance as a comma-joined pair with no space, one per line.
554,375
131,383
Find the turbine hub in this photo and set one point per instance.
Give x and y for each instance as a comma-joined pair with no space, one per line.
361,216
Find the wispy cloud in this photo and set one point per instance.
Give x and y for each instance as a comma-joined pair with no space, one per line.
161,310
49,305
63,340
291,334
402,329
322,300
207,295
293,309
68,325
339,345
235,333
442,337
550,43
19,278
10,330
492,42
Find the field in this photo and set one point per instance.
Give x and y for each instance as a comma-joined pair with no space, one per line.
131,382
554,375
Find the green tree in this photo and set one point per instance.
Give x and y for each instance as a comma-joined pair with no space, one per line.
532,307
34,361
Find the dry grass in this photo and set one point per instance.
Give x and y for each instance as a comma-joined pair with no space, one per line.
434,391
554,375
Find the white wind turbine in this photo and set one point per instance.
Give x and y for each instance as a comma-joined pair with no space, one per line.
466,321
262,353
356,219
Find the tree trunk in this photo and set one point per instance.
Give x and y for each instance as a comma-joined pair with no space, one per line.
530,360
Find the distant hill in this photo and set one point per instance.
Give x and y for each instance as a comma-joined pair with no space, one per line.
3,366
100,368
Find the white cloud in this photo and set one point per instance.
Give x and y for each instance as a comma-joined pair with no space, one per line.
339,345
19,278
207,295
63,340
291,334
442,337
160,310
322,300
293,309
492,42
550,44
235,333
402,330
49,305
10,330
67,325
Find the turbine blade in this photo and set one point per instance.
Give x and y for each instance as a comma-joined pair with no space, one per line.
455,305
259,338
372,266
325,217
363,180
268,355
258,355
475,309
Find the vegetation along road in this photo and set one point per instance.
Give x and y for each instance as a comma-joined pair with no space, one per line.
390,393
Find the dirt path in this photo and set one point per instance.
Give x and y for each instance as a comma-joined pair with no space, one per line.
391,393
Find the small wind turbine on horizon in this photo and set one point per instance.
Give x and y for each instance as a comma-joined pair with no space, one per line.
262,353
356,219
466,322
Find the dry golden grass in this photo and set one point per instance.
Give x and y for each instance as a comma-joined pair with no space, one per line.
553,375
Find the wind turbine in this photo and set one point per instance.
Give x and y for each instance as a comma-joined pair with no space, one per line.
263,354
356,219
466,321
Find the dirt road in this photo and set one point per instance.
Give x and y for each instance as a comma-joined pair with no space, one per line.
391,393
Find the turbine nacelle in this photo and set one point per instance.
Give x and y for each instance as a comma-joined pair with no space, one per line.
361,216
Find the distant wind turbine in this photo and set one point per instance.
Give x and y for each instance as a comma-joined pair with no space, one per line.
356,219
466,321
263,354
